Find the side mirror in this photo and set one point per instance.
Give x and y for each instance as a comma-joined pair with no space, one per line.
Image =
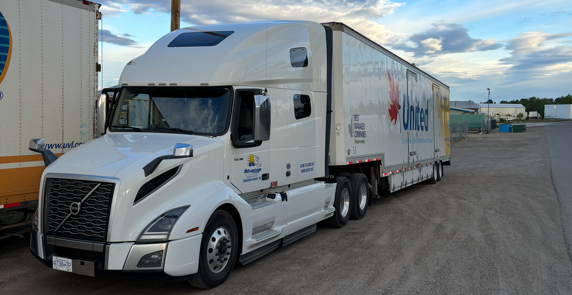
36,144
183,150
262,117
101,113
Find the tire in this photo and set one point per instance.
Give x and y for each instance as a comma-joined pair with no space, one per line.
345,174
220,230
342,203
439,170
433,178
360,195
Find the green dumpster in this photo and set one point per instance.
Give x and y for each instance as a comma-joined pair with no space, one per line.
519,128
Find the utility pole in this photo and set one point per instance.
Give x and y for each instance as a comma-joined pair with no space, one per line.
489,106
488,102
175,15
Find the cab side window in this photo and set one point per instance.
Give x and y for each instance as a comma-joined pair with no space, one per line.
302,106
243,119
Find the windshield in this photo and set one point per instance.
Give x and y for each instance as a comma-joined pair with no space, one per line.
194,110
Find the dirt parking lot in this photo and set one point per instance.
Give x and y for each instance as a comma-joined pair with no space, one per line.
491,226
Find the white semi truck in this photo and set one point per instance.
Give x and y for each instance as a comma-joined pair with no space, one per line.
48,88
226,142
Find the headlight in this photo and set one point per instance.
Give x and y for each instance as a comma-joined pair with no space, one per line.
35,220
160,228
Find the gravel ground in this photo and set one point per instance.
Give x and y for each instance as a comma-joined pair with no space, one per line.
491,226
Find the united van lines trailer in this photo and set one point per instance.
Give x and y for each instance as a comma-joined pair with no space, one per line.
226,142
48,86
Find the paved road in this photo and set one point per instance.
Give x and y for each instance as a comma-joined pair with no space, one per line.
559,139
491,226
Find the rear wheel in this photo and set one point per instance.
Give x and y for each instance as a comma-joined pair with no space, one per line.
342,203
360,195
439,170
219,248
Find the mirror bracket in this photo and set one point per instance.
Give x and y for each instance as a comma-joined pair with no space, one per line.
37,145
181,150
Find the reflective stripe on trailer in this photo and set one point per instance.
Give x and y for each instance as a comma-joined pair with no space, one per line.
10,205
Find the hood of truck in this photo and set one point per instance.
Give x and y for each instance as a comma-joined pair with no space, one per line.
111,153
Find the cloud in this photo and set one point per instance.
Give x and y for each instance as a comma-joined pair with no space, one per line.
532,58
360,15
524,19
445,38
111,9
107,36
531,41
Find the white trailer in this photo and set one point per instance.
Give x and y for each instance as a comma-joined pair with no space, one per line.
533,114
226,142
558,111
48,86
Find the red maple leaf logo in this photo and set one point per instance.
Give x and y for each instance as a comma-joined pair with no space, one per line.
394,106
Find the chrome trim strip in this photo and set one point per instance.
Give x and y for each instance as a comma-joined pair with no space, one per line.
139,250
75,244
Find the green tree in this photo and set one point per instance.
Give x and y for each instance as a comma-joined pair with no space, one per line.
519,116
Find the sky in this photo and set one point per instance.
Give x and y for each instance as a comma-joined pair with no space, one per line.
518,49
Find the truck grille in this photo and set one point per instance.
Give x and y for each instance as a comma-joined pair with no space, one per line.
93,217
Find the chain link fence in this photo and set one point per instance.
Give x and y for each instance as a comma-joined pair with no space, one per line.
459,130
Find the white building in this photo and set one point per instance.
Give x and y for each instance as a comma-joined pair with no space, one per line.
503,110
558,111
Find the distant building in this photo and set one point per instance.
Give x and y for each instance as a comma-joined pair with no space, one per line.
558,111
460,111
503,110
467,105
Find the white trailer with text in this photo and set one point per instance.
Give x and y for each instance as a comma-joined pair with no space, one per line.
226,142
48,88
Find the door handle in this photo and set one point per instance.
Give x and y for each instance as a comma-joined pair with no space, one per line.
413,153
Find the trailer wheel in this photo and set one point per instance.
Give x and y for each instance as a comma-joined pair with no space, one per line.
219,248
345,174
360,195
433,178
342,203
439,170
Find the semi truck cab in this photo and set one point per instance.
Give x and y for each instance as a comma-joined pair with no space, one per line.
210,154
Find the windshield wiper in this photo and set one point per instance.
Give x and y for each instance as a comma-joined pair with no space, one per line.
172,129
127,127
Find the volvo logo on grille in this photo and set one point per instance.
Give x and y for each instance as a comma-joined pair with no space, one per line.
75,207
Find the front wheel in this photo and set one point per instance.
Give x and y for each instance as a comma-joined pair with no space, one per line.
219,248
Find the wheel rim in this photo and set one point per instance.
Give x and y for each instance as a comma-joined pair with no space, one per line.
345,202
362,196
219,249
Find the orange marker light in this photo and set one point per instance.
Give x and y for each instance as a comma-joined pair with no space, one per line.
193,229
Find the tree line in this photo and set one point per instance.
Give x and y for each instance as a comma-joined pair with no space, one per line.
537,104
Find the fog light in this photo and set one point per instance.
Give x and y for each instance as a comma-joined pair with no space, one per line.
154,259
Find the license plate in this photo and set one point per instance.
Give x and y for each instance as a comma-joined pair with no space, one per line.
61,263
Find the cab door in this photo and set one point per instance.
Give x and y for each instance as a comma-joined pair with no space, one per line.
250,159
